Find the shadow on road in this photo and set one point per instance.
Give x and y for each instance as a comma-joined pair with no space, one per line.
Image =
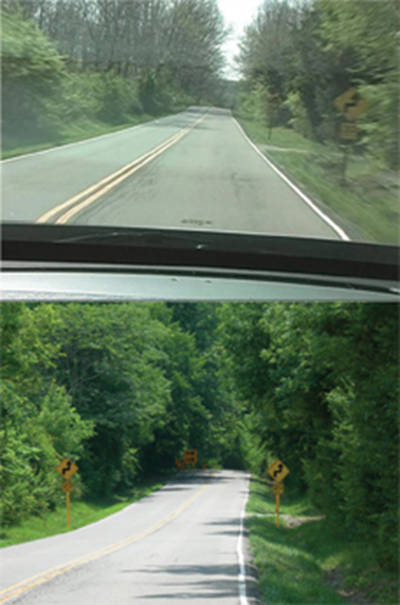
201,582
197,582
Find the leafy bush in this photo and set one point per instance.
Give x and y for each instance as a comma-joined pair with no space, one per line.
322,383
80,97
255,103
39,426
381,124
32,70
119,99
300,120
34,439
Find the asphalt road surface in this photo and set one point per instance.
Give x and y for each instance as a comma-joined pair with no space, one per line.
183,544
193,170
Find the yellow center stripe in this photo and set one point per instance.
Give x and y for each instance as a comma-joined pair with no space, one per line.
45,576
81,200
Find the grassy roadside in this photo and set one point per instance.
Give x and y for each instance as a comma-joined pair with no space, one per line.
85,129
308,560
73,133
82,513
366,207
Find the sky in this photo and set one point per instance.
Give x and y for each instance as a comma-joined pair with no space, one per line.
237,13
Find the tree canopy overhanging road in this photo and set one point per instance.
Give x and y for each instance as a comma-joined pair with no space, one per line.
123,389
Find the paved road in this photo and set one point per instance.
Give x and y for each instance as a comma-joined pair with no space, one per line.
177,545
209,178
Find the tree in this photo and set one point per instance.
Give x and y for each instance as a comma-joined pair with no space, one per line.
309,53
111,368
321,381
31,71
363,39
39,425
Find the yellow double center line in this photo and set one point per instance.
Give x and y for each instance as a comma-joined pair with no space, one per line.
17,589
90,195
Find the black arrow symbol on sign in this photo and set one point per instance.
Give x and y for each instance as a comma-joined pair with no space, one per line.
66,468
278,470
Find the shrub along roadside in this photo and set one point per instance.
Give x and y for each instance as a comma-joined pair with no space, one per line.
78,131
308,559
46,103
321,385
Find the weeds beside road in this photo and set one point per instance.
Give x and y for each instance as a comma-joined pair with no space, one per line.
366,206
309,559
71,133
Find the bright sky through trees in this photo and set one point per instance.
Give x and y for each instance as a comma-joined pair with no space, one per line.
237,14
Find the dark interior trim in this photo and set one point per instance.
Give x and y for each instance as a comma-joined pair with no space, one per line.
191,249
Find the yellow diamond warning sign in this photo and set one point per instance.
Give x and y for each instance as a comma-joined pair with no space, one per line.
351,104
66,468
278,471
345,98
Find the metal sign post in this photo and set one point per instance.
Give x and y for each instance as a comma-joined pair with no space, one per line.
278,471
351,105
66,469
277,510
68,487
68,510
278,489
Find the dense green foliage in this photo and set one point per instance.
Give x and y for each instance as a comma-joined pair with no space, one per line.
322,389
123,389
31,71
39,424
103,61
310,559
298,57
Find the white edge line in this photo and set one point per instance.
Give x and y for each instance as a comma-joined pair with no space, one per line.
325,218
76,143
84,559
242,566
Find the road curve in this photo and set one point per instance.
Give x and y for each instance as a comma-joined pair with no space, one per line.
183,543
208,176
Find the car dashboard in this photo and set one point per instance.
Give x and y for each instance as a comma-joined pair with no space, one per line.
45,262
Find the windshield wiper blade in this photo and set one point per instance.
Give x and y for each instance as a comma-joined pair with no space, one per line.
134,237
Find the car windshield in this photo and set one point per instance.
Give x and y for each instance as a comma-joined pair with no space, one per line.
261,117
